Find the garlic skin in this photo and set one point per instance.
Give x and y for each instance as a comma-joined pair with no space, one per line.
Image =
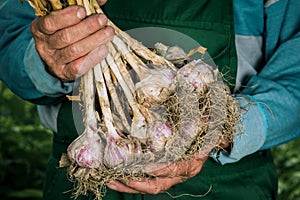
156,87
87,150
174,54
120,153
197,73
159,133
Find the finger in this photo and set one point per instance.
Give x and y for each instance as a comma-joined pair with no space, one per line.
188,168
57,20
83,47
151,168
204,153
177,169
67,36
120,187
80,66
156,185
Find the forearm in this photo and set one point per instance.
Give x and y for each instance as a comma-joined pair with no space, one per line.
21,68
271,104
277,90
268,56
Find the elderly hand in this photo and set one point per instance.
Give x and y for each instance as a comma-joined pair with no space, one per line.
165,176
71,43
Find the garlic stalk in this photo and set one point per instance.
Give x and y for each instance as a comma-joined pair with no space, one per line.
138,66
154,86
139,125
118,58
119,151
114,96
142,51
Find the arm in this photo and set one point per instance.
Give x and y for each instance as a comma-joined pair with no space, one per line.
273,116
15,39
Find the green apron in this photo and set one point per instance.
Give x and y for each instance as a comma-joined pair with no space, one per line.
210,22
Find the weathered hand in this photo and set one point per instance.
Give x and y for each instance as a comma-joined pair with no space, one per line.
71,43
165,176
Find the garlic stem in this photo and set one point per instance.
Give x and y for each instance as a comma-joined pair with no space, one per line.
141,50
88,10
104,101
88,98
114,95
138,66
56,4
138,126
122,68
119,151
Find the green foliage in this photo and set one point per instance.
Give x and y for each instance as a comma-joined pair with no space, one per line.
24,148
287,161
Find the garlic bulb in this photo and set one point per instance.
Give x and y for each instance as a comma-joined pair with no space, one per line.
197,73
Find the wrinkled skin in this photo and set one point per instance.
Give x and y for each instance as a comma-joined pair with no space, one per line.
69,42
165,176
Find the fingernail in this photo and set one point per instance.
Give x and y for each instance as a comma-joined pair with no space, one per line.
109,31
102,20
81,13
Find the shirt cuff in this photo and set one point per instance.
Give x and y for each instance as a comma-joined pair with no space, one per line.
43,81
253,132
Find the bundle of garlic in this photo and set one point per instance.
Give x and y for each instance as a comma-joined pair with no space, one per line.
139,108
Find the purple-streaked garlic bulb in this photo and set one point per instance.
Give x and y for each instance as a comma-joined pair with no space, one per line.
156,87
197,73
121,152
87,150
159,133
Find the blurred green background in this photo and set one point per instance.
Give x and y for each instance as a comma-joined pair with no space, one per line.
25,146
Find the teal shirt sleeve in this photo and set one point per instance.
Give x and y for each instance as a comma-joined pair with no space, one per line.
21,68
273,116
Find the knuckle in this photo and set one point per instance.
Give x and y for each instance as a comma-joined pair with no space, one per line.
69,73
91,23
57,71
73,51
33,26
65,37
48,25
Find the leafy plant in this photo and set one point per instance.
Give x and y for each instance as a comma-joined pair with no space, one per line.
287,161
24,148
